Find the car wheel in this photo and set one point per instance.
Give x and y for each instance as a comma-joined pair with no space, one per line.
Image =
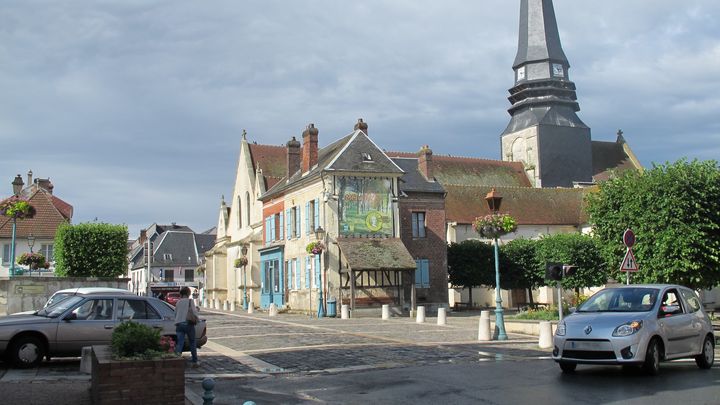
706,359
652,358
567,367
27,352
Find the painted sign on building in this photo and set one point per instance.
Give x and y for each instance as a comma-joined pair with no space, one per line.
364,206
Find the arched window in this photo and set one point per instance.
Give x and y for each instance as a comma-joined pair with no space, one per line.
247,207
239,213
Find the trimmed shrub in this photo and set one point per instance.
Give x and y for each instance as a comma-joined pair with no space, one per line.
135,340
91,250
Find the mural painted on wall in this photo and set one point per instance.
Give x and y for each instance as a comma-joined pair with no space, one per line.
364,206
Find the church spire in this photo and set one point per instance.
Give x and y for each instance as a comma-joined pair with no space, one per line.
539,39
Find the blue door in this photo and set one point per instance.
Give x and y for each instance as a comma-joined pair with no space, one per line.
272,289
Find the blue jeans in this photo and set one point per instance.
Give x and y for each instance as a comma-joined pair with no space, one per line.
182,329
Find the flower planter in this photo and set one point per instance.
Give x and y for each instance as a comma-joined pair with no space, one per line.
159,381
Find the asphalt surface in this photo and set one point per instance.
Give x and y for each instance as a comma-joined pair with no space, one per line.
297,359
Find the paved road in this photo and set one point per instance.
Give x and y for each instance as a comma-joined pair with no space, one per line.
296,359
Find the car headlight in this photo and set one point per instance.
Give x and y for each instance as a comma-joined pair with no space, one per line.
627,329
560,331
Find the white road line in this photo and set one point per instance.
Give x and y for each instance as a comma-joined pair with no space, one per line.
252,362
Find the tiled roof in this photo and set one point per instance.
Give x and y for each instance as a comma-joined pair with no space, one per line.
46,220
529,206
272,160
413,180
609,157
376,254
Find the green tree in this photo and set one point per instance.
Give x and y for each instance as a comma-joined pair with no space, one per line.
674,210
91,250
519,265
573,249
471,264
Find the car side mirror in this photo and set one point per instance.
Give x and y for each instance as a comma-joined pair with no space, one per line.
572,310
70,317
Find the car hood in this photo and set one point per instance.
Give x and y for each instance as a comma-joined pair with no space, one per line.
602,324
22,319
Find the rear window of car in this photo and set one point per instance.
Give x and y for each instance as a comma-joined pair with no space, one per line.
166,310
135,309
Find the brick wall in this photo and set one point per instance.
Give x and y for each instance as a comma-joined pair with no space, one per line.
433,247
136,381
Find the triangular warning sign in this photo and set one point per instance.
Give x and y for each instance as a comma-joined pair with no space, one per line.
629,263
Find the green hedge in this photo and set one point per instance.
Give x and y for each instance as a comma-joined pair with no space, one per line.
91,250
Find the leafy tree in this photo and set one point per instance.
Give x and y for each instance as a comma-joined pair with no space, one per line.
471,263
519,265
91,250
674,210
574,249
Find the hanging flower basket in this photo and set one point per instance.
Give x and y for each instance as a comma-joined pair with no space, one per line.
33,260
241,261
16,207
315,248
494,225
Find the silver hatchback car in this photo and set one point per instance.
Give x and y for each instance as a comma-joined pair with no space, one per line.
64,328
636,325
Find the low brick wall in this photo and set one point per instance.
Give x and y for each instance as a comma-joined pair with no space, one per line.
27,293
137,382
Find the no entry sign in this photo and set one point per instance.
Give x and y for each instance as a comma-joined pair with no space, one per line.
629,238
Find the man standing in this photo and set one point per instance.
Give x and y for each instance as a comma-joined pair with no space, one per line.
186,317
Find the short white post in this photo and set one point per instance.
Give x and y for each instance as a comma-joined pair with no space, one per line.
385,312
232,305
546,338
273,311
420,314
251,307
345,311
484,327
442,316
225,305
216,303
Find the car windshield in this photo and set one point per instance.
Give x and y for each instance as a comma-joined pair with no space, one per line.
640,299
57,309
56,298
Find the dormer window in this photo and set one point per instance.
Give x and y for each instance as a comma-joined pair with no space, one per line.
167,256
366,157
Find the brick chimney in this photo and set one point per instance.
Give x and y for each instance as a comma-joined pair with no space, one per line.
17,185
30,177
293,157
362,126
310,148
143,236
425,162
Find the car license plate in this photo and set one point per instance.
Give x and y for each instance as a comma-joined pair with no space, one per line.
585,345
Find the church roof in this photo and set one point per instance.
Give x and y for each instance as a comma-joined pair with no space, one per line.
529,206
539,38
272,160
609,157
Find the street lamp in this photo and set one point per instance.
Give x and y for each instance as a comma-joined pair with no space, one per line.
31,243
494,199
244,251
320,235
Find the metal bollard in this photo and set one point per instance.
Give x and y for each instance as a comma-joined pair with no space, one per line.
385,312
420,314
484,327
442,316
208,384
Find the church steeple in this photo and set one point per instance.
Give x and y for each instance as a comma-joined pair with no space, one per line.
545,132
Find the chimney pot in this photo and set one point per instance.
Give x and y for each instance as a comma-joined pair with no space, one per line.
425,162
310,148
17,185
362,126
293,157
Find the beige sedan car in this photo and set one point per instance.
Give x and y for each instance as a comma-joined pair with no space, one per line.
63,329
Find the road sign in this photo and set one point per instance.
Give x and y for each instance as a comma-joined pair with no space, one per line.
629,238
629,264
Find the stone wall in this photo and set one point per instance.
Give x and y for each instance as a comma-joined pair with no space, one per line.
26,293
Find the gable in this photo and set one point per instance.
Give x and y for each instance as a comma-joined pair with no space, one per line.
45,222
361,155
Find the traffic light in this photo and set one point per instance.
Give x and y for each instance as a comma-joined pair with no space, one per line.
569,270
554,271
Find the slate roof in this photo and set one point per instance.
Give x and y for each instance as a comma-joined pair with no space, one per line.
413,180
609,157
529,206
539,38
51,211
179,241
376,254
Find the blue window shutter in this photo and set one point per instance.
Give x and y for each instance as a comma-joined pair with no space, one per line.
307,218
288,219
272,227
307,271
288,265
317,213
267,231
282,227
426,273
297,222
297,273
418,270
318,270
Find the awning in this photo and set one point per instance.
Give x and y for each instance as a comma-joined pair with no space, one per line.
376,254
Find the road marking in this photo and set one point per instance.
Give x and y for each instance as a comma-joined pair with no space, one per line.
250,361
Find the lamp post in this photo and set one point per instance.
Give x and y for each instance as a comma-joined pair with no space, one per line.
320,235
12,248
244,251
31,243
494,200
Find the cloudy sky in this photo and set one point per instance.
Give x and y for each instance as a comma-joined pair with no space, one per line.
134,108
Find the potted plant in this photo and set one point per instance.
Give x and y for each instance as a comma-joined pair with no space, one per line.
494,225
33,261
138,358
315,248
241,261
17,208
